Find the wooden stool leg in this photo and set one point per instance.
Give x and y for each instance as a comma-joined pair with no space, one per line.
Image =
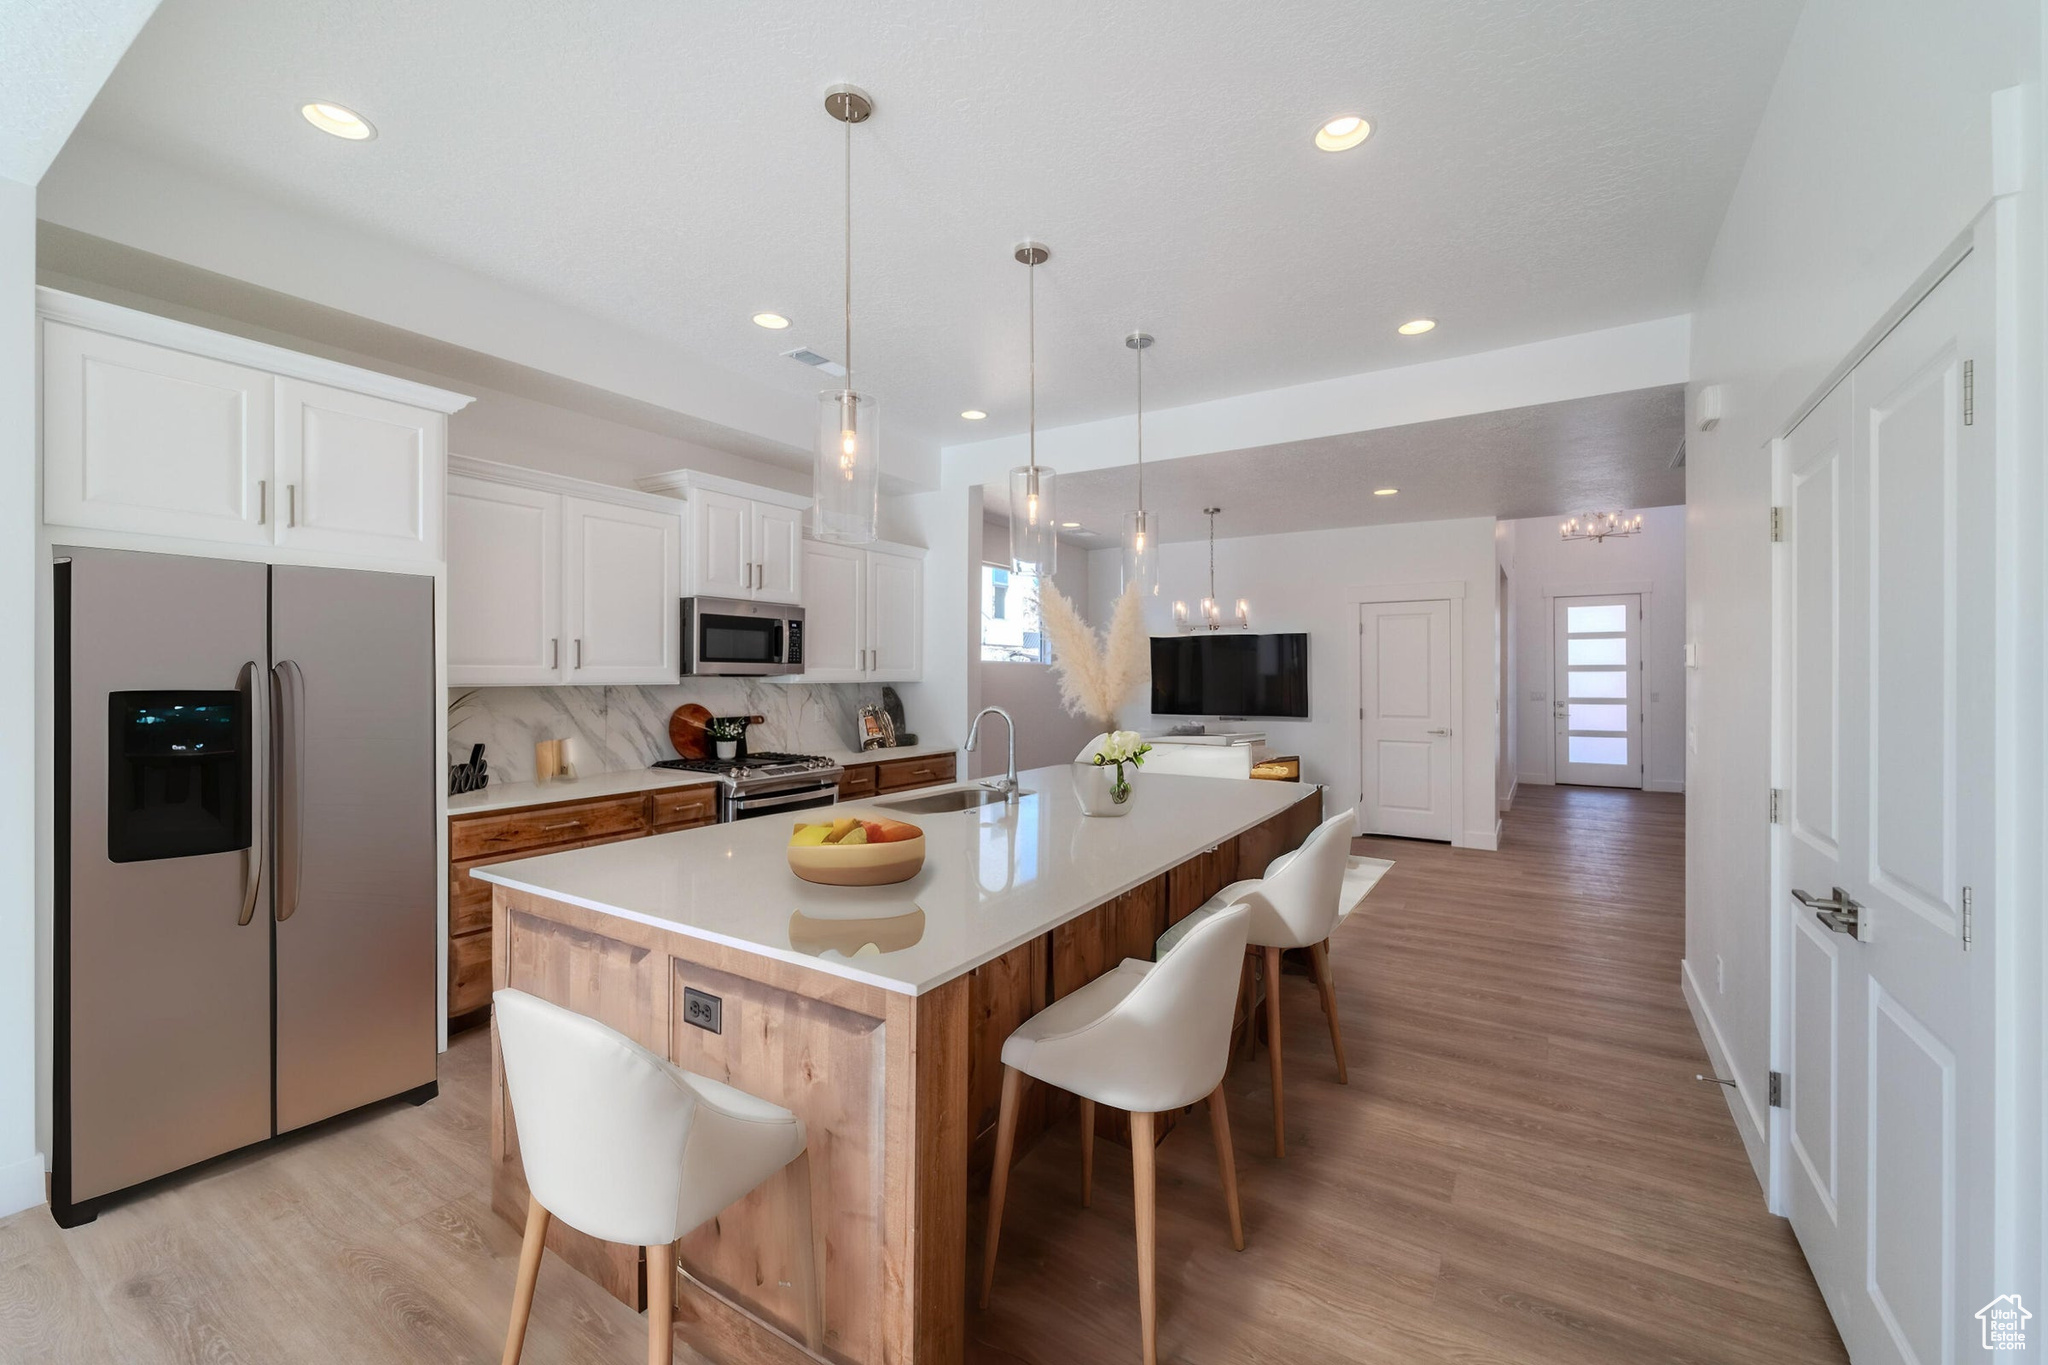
1320,955
1226,1161
805,1257
1144,1185
999,1179
1273,1048
661,1305
537,1219
1087,1153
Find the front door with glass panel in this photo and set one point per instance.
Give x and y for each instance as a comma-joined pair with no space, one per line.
1598,648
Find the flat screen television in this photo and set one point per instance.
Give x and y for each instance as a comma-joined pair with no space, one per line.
1230,675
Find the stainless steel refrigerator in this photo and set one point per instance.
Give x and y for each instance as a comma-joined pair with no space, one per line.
245,861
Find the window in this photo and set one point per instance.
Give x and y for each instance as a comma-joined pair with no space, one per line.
1010,631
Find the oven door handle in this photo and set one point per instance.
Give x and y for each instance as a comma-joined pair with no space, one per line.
771,800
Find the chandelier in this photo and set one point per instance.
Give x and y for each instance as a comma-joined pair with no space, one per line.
848,477
1211,614
1599,526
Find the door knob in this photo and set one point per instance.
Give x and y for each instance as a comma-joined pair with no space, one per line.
1840,912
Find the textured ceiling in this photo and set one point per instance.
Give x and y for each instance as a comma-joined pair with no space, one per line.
1538,169
1553,459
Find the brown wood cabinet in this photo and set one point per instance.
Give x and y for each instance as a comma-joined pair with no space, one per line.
525,832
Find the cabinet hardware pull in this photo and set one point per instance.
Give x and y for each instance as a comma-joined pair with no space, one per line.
563,824
579,651
554,652
291,493
262,501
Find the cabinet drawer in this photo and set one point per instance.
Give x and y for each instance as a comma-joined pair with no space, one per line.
900,773
685,807
546,826
857,782
469,973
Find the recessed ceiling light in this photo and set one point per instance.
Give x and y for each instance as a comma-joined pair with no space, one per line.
1417,327
774,322
339,120
1384,492
1342,134
974,414
1070,526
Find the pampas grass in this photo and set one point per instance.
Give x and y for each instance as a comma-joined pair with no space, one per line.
1096,676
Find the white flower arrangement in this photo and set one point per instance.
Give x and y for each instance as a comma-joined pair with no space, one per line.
1120,747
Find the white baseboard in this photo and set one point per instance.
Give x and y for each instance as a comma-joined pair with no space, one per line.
1664,784
1487,840
21,1185
1507,803
1750,1118
1533,779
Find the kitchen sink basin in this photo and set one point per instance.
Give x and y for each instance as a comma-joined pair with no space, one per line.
964,798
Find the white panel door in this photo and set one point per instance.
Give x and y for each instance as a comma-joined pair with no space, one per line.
1597,653
504,585
141,438
621,593
358,475
1405,732
895,617
778,548
721,544
1886,667
835,612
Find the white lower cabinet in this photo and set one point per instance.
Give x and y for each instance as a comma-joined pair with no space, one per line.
548,586
622,592
863,614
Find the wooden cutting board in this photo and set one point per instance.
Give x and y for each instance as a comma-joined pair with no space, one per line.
686,731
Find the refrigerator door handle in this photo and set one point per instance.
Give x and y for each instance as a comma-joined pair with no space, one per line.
289,798
259,761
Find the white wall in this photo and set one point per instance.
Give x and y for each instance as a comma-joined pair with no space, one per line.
1874,152
940,706
21,1165
1308,581
1507,711
1046,734
1549,567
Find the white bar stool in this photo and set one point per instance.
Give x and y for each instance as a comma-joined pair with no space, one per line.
625,1146
1295,905
1146,1037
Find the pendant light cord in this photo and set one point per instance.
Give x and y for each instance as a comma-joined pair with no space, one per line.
1032,275
849,256
1141,434
1212,559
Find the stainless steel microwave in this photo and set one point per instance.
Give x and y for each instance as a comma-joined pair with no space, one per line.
732,637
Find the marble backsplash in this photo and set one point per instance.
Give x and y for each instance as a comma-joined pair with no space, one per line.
612,729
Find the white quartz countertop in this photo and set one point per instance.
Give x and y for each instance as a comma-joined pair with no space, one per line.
993,877
515,795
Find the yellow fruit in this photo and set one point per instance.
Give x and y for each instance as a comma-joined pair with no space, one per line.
856,835
840,827
807,836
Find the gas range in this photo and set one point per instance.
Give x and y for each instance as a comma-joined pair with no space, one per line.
766,784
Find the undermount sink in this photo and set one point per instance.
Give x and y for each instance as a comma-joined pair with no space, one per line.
965,798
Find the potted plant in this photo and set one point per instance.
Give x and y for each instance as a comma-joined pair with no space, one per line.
1096,675
725,733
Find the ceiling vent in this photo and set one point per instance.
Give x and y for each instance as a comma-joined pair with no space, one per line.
817,362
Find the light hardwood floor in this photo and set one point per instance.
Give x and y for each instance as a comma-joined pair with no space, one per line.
1522,1169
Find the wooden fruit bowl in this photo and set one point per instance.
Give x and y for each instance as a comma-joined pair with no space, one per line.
857,864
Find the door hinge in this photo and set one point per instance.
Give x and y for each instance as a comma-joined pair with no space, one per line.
1777,1090
1969,392
1969,918
1777,805
1777,525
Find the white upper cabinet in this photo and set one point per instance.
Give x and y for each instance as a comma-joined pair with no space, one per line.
504,584
622,592
358,474
721,544
835,612
147,439
895,617
554,580
863,613
155,430
745,541
778,552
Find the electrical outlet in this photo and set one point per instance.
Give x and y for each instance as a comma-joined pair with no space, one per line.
1720,975
702,1009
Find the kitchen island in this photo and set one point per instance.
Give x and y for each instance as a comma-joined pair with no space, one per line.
877,1014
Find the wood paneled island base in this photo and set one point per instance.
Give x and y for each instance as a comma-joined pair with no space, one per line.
899,1092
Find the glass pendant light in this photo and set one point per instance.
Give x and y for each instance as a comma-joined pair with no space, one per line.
1141,528
1034,519
848,477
